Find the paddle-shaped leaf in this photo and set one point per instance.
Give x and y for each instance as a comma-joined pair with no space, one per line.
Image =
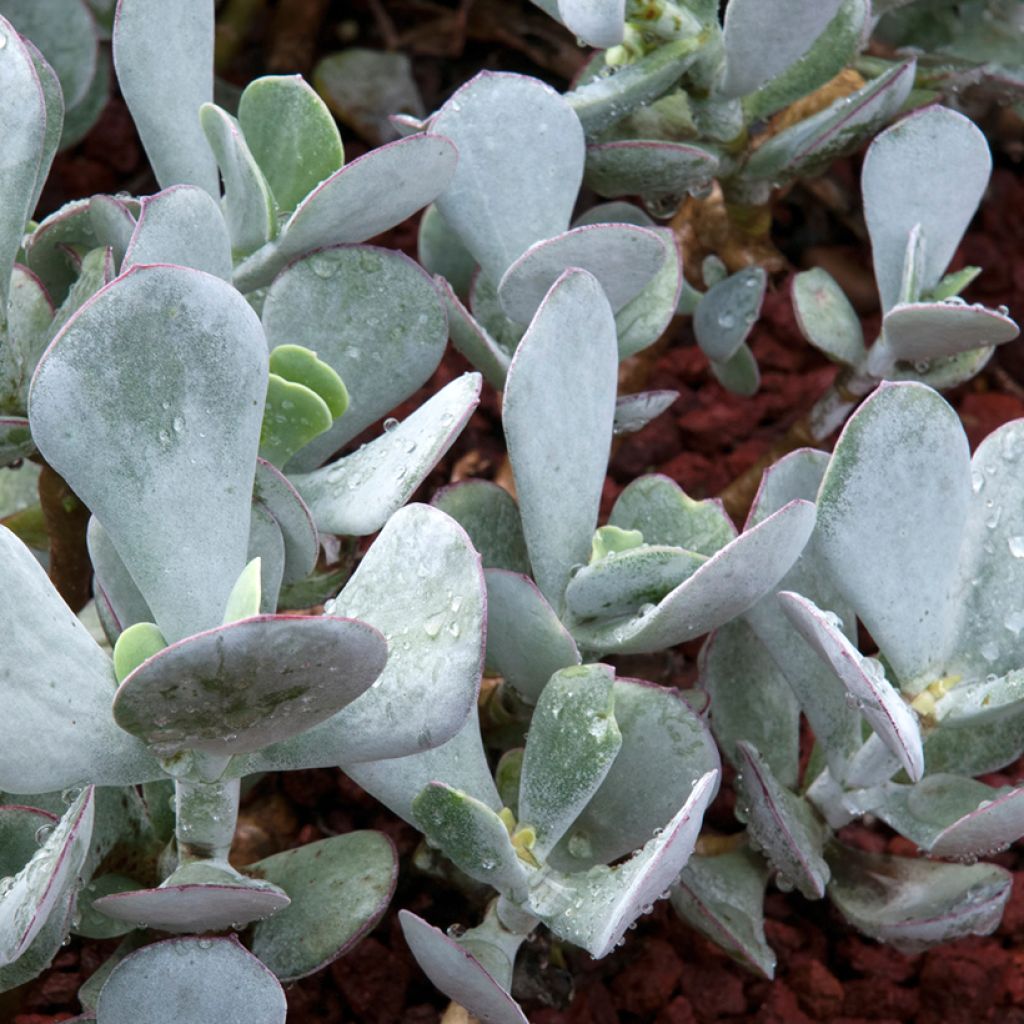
599,23
194,438
54,250
634,412
914,903
906,180
282,502
370,314
213,979
933,330
113,583
358,494
826,318
339,888
163,54
489,514
647,167
559,461
522,138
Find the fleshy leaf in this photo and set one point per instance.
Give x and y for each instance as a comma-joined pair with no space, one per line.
244,599
339,889
934,330
292,417
266,543
526,642
473,340
441,253
243,686
891,513
489,514
717,592
559,461
906,181
184,226
53,95
53,251
135,645
782,824
291,135
275,493
373,316
723,897
826,318
739,374
643,320
357,494
163,54
665,746
420,585
301,366
208,979
522,138
634,412
593,909
600,23
974,749
74,735
115,588
647,167
727,312
196,436
912,903
622,258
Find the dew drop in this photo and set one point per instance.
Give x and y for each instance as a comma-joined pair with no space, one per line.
3,40
726,320
990,652
390,423
43,833
1016,546
178,424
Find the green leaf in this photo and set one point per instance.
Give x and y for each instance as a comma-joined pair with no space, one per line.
489,514
292,416
473,340
299,364
826,318
291,134
739,373
935,330
648,167
135,645
244,599
441,252
726,314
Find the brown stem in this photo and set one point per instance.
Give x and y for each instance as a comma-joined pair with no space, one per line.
66,519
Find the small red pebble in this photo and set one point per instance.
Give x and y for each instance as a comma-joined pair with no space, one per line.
819,991
781,1007
647,983
679,1011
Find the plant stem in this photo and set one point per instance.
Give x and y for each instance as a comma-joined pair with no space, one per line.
206,816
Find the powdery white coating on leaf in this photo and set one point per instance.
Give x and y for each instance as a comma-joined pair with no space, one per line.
599,23
763,38
634,412
149,404
56,685
726,585
726,313
275,492
931,169
622,257
642,321
357,494
184,226
458,974
373,316
934,330
826,318
558,425
126,603
53,106
640,166
490,515
891,515
114,223
190,979
163,54
267,544
520,166
473,340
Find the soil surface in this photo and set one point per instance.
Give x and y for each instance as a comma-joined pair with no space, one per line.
665,973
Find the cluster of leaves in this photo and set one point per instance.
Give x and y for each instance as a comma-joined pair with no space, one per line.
191,362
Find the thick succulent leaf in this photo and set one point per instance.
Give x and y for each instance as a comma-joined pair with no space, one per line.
24,144
981,700
339,889
163,54
836,47
974,749
727,312
212,979
461,762
912,903
634,412
906,181
43,949
266,543
292,416
80,119
934,330
623,582
891,514
181,225
440,252
623,258
75,736
94,924
724,587
723,897
763,38
521,138
420,585
473,340
662,511
665,746
195,438
114,584
864,679
593,909
943,374
53,251
29,315
458,973
357,494
953,816
602,101
810,145
600,24
53,105
526,641
647,167
248,205
572,743
373,316
826,318
42,885
200,896
96,269
472,836
739,374
489,514
616,212
291,134
751,700
559,461
274,491
782,824
113,221
643,320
